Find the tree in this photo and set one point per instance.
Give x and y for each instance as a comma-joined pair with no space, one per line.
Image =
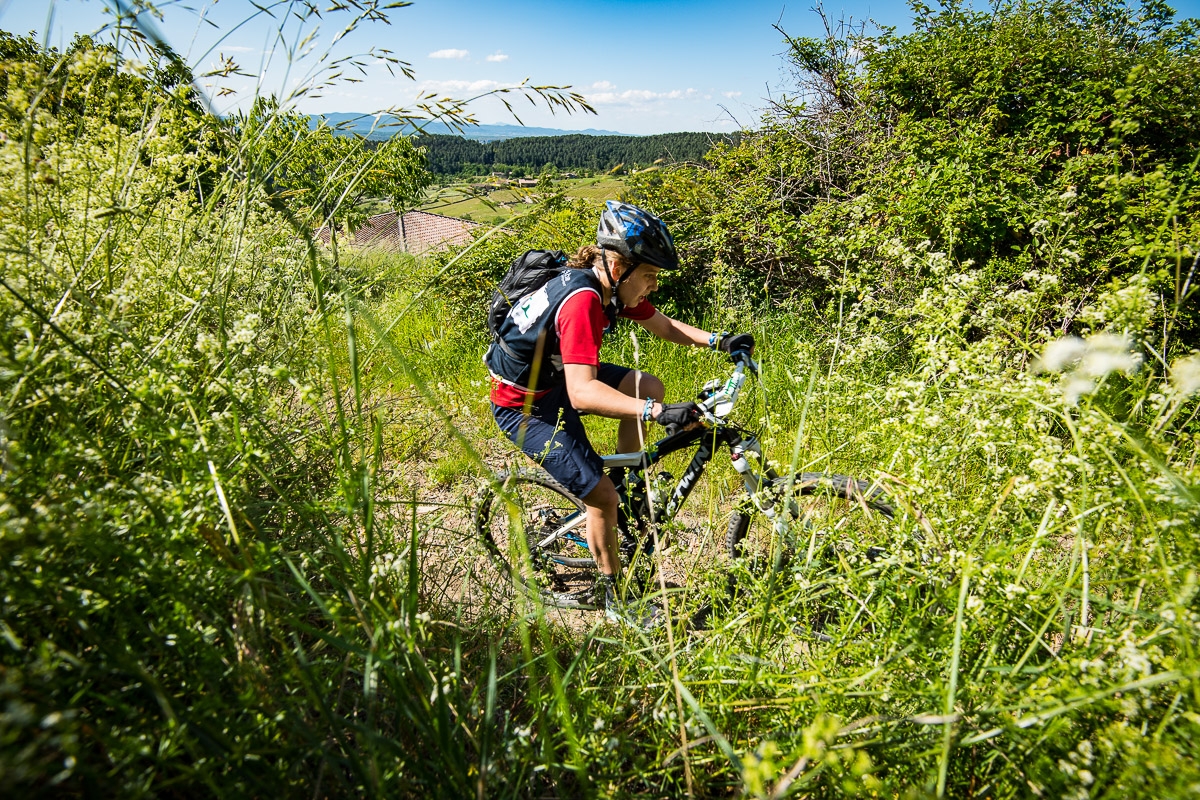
1039,138
327,174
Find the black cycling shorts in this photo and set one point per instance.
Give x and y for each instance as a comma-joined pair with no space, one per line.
554,437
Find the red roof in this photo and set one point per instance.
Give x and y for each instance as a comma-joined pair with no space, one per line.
414,232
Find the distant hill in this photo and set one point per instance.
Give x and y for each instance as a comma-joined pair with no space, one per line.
362,124
456,155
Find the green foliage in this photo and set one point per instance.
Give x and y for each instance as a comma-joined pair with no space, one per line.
1047,136
181,488
84,78
328,174
234,544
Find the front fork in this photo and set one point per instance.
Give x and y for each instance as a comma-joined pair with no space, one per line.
747,458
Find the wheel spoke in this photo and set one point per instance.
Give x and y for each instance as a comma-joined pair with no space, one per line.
527,526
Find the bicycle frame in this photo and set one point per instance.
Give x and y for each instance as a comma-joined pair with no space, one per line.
633,467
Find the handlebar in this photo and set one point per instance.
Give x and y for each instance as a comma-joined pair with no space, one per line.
742,356
717,400
716,407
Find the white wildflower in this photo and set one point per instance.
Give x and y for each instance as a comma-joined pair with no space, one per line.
134,67
1076,388
1014,590
443,687
244,331
1135,660
1185,375
1107,353
1060,354
1100,355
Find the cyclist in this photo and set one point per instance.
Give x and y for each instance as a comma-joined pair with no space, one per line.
548,369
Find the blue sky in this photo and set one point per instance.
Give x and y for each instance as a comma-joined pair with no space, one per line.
647,66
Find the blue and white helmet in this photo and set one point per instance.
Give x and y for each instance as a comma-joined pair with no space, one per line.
636,234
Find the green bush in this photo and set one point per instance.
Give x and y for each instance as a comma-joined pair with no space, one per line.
187,499
1051,137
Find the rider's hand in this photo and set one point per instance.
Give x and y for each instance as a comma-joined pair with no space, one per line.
677,416
737,342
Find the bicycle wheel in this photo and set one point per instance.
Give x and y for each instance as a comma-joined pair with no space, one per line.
533,528
834,517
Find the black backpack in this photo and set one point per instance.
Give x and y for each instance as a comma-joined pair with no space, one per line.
530,272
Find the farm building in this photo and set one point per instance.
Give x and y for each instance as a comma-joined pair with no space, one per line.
412,232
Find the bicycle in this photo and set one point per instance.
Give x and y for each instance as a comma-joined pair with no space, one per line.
537,540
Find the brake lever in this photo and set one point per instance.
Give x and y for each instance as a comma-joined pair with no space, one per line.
744,357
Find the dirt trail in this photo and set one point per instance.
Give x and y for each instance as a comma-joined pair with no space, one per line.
459,577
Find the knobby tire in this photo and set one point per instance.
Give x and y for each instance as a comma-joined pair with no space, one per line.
842,507
561,574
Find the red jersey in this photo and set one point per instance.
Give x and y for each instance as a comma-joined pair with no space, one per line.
580,327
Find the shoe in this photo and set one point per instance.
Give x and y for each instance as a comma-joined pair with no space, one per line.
643,616
699,620
627,616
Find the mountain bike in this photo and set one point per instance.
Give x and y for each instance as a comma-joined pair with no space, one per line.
533,527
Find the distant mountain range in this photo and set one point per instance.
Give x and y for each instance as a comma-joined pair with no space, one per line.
363,123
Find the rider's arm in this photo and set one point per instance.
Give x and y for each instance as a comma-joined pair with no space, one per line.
589,394
580,326
674,331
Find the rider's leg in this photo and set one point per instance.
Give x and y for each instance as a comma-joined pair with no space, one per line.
631,433
554,437
601,507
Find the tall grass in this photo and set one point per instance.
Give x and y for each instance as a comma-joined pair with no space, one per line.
237,558
1026,635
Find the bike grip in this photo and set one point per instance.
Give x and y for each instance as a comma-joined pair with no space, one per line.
671,429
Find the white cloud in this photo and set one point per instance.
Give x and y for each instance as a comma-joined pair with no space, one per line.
604,86
636,97
498,57
732,95
452,87
237,49
450,53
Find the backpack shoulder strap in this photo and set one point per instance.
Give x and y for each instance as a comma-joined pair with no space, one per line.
499,340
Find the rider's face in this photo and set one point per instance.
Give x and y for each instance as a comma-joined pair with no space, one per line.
638,286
